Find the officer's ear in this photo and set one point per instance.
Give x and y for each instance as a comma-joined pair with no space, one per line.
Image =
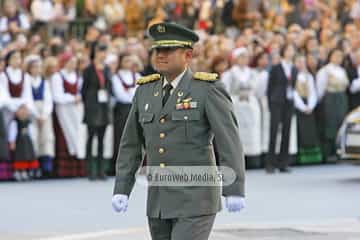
189,53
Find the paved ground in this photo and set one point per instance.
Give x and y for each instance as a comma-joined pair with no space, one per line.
318,202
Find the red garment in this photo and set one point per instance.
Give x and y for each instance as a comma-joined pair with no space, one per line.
26,165
101,78
15,89
203,25
65,165
71,88
178,10
64,58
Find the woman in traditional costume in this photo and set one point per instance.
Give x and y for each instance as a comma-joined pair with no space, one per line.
44,139
305,99
5,164
18,117
240,82
332,83
124,86
261,63
66,85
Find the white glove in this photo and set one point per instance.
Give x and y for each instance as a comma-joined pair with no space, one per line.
235,203
355,86
120,202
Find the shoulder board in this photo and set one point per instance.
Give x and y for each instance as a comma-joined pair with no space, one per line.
148,79
204,76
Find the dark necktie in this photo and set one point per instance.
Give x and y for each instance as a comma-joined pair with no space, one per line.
166,95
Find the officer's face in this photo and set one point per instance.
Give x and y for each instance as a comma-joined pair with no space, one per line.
171,60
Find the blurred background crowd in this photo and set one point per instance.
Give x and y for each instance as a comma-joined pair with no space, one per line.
50,51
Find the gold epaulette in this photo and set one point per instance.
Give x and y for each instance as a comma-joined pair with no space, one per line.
204,76
148,79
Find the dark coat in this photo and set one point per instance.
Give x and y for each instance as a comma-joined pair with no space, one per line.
278,84
4,150
96,114
352,74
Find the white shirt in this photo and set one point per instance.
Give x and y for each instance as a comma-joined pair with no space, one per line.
312,98
238,78
287,66
114,12
47,108
57,87
4,94
355,84
262,79
43,10
322,77
174,83
26,97
355,10
70,13
24,24
122,94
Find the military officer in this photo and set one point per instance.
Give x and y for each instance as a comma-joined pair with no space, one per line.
174,116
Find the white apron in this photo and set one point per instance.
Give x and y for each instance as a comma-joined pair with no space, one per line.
265,124
241,83
249,118
70,119
43,136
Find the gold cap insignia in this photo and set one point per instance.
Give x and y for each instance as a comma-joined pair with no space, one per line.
161,29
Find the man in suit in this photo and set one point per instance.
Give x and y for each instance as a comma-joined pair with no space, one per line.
280,92
353,72
175,116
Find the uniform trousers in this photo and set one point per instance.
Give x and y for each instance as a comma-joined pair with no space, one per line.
194,228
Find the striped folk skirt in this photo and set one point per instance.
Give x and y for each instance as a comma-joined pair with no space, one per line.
65,164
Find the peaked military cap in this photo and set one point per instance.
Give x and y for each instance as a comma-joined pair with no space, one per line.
166,35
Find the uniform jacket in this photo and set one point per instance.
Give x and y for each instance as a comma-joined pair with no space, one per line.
185,137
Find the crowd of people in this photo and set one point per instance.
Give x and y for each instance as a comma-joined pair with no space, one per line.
269,54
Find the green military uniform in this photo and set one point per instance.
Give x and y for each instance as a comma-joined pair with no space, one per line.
180,136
